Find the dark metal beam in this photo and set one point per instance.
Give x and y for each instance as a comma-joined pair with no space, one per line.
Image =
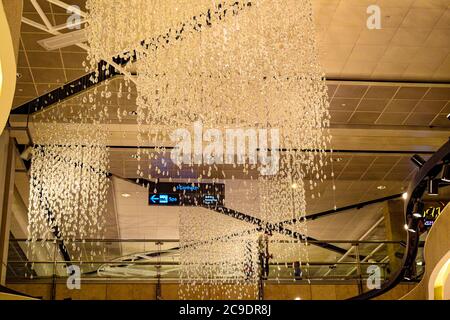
358,206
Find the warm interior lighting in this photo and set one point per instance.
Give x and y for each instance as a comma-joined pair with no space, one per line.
405,195
126,195
381,187
441,279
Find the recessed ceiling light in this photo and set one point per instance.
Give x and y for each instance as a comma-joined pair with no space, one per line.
126,195
381,187
446,173
344,105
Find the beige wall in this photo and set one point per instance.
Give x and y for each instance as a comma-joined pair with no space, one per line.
144,291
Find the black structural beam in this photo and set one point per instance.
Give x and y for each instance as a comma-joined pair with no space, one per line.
67,91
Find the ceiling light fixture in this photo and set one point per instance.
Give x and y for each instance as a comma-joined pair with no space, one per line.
433,187
126,195
63,40
418,160
382,187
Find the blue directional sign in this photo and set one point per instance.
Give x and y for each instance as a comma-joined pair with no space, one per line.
186,194
164,199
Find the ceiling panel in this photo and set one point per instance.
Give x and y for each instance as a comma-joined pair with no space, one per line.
413,45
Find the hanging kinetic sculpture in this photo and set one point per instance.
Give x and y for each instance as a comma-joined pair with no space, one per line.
68,180
226,64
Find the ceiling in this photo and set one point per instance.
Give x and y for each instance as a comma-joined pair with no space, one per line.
389,93
413,44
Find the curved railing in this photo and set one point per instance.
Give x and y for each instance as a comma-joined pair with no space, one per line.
416,190
436,253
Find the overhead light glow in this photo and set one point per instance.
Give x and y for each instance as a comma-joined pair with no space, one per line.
126,195
381,187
